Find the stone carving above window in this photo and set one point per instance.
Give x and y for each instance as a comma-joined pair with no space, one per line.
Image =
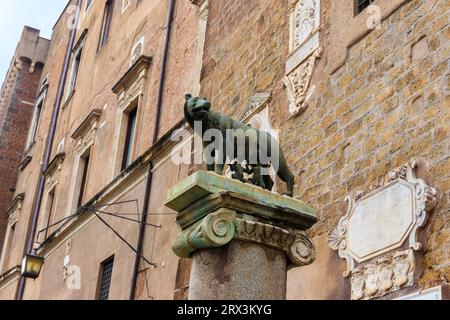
304,50
131,85
258,101
14,209
297,84
85,134
53,171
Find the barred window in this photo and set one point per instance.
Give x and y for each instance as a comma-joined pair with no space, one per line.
105,279
362,4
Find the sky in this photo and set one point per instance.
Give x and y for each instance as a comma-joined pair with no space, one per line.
14,15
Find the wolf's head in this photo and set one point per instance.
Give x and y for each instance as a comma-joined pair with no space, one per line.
197,108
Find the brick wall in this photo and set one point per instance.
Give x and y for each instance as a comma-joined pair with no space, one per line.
13,133
387,104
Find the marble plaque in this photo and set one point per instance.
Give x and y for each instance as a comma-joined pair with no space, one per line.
385,219
381,221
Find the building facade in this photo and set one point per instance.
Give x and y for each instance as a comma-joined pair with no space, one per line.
353,90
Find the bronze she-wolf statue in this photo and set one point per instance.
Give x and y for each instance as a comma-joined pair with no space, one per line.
198,114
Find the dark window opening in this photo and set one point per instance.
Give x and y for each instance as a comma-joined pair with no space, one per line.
83,184
35,123
362,4
106,24
50,205
129,139
105,279
75,69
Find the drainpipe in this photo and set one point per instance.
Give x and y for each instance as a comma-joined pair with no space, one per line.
31,232
162,80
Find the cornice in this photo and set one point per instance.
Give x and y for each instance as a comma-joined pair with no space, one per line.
143,63
87,123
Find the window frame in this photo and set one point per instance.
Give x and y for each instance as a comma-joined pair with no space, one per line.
101,273
75,65
83,175
105,31
36,118
129,144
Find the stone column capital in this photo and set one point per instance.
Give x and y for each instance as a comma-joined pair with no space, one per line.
214,210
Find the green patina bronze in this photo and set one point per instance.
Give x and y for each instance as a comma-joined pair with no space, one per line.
199,110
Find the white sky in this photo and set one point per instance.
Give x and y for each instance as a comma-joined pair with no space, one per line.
14,14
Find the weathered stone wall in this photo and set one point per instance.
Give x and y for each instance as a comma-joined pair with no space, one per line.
387,104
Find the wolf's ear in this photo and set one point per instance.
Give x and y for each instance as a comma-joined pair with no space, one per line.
188,96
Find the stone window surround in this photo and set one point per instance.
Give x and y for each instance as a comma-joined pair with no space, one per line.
84,137
348,28
52,175
13,213
79,45
130,92
31,137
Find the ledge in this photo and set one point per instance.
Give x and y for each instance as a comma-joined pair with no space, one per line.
8,276
203,192
54,163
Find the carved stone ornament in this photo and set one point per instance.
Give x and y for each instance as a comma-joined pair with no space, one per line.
386,275
84,135
14,209
132,83
53,171
305,21
298,82
304,50
258,101
384,219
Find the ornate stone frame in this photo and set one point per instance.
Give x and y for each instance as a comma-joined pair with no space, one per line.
53,171
130,91
425,200
52,175
84,137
